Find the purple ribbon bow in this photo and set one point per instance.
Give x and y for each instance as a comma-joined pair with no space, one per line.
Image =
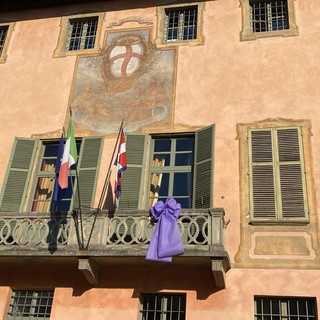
166,239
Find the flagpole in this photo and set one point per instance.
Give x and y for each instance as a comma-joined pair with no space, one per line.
81,243
105,186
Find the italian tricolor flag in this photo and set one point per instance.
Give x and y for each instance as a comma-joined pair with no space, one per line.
69,157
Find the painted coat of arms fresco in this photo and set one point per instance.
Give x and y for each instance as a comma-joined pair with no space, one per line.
131,81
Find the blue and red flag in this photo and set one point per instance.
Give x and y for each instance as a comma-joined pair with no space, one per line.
121,163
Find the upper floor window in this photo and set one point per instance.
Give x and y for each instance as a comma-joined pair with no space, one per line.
82,33
269,15
180,165
171,169
30,305
277,175
178,25
266,308
267,18
5,34
45,181
79,34
25,189
163,306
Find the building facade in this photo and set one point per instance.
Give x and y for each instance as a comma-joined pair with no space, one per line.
219,104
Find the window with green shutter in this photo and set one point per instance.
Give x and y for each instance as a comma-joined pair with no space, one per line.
277,175
20,180
179,165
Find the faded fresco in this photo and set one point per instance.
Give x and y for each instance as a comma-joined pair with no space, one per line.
132,81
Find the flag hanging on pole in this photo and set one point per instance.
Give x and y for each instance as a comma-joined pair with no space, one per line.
69,156
121,163
57,189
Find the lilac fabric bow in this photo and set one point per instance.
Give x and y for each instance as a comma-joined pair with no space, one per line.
166,239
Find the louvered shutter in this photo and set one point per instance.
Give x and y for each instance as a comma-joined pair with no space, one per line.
89,160
291,172
203,168
263,203
18,174
131,189
277,174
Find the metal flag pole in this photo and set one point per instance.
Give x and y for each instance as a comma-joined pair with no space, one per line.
105,186
74,211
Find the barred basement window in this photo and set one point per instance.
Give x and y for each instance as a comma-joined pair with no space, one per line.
163,306
30,305
267,308
180,23
269,15
3,36
82,33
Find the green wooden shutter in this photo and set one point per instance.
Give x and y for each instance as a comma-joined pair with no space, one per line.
18,174
203,168
263,203
277,174
89,161
132,182
291,174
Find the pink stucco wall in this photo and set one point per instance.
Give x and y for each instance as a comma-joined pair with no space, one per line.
224,81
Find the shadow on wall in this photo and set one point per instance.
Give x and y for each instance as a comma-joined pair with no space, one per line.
156,278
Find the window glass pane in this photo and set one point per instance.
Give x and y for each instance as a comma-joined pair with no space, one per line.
184,159
162,185
161,160
161,145
182,184
184,144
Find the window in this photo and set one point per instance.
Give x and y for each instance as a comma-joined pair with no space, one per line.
45,181
25,190
163,306
80,34
30,305
273,308
5,34
269,15
180,165
277,175
267,18
171,169
180,25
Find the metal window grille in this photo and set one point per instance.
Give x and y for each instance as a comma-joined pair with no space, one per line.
163,307
266,308
181,24
30,305
269,15
82,33
3,35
